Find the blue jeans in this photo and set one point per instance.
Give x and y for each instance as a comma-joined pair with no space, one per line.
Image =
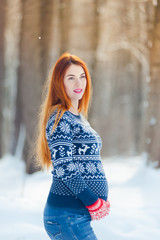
67,223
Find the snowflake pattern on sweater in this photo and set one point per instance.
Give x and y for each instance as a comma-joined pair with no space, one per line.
78,175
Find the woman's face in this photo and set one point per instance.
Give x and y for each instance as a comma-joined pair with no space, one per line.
75,82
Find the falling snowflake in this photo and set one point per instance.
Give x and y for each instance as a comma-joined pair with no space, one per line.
91,168
60,172
64,127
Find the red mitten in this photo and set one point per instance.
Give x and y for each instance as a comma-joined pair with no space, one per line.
99,209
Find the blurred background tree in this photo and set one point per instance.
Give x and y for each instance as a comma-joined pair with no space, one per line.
120,43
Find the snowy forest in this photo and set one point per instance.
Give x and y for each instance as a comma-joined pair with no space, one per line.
119,40
120,43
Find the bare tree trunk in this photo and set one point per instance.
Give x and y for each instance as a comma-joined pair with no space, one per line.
2,25
95,42
153,134
47,18
30,73
11,55
65,15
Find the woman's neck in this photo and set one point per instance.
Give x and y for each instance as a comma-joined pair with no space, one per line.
74,109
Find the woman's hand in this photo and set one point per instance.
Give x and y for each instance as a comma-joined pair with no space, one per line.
99,209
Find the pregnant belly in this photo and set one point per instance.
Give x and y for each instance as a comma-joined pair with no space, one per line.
99,187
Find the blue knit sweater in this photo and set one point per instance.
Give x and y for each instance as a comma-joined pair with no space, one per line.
78,175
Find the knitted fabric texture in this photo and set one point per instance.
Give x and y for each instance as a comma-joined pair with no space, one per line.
78,175
99,209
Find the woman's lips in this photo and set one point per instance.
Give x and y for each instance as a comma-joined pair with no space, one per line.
78,90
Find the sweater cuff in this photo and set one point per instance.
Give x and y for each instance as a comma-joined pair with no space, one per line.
87,197
95,205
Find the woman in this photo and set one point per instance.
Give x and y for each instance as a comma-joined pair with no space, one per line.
66,142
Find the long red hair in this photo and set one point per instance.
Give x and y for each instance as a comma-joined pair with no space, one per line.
54,96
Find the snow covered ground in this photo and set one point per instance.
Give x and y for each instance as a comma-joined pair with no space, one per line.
134,196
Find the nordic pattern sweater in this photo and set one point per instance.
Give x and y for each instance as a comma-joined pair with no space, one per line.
78,174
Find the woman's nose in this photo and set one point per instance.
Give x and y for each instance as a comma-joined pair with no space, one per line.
78,81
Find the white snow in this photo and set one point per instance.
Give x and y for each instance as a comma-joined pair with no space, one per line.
133,193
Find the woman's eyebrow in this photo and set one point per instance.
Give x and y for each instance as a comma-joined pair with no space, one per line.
74,75
70,75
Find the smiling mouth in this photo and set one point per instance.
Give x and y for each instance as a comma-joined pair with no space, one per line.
78,90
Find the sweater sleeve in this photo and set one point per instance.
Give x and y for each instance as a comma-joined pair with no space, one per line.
64,168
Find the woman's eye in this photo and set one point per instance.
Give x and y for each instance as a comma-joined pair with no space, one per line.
71,78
